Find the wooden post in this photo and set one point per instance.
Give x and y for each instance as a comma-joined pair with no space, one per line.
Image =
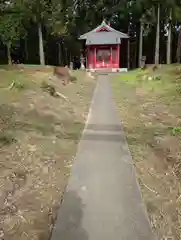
94,57
118,55
128,59
59,53
82,67
141,42
87,55
128,54
111,57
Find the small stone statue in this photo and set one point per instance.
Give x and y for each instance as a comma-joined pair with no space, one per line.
71,65
82,66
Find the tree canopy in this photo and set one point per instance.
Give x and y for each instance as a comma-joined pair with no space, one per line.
54,26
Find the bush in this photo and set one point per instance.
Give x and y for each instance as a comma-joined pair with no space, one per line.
48,88
176,130
17,85
178,89
6,139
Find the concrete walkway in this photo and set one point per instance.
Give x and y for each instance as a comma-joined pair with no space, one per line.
103,200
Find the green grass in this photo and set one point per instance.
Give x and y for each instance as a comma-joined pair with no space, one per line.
176,130
38,138
150,111
6,139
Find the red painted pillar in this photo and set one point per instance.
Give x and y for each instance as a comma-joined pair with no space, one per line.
94,57
87,57
111,56
118,56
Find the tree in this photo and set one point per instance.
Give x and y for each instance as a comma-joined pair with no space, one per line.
179,46
58,22
68,19
157,45
141,41
170,13
169,37
37,11
11,28
154,7
177,16
146,22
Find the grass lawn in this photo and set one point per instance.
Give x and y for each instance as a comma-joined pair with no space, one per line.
150,108
38,140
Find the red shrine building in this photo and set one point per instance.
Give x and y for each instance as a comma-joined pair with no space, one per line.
103,47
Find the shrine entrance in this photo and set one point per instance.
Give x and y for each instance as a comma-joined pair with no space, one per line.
103,47
103,57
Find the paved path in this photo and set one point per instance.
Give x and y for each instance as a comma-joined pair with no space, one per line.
103,199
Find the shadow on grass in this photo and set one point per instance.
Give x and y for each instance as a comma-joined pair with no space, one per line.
12,120
158,140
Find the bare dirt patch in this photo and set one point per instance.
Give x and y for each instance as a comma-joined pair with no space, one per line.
150,111
38,138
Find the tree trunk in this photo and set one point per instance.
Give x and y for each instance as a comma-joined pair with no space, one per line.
179,47
9,54
59,53
41,48
135,53
128,53
66,56
26,50
169,38
128,57
141,43
157,47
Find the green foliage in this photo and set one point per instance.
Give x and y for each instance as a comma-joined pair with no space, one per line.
11,29
56,19
19,85
6,139
36,10
176,130
178,88
48,88
67,19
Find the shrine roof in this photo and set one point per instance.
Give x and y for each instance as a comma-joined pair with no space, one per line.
103,38
103,28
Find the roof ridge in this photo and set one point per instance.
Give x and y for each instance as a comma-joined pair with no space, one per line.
103,24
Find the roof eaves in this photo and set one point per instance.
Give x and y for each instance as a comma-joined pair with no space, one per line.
103,24
84,36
